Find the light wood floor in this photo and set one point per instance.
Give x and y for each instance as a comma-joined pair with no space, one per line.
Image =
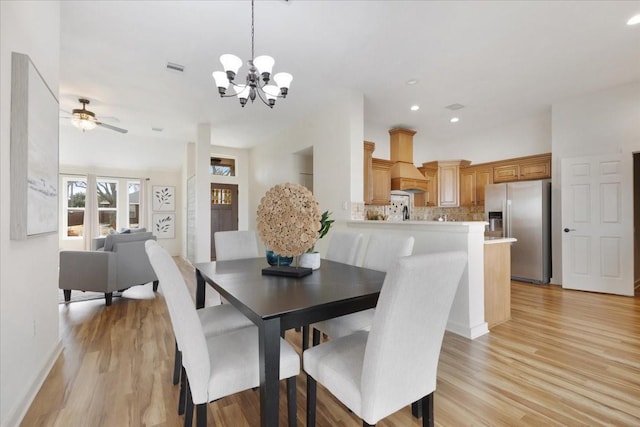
566,358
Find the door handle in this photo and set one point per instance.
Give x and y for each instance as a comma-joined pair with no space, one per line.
566,230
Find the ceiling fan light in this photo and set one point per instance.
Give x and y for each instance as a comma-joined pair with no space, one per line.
83,122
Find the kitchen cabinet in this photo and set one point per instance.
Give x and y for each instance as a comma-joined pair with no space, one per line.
473,181
381,181
523,168
449,182
497,281
367,192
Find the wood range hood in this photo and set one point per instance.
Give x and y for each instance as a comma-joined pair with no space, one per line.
404,175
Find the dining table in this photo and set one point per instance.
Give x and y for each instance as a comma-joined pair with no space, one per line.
278,303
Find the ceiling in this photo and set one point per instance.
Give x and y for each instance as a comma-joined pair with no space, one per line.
502,60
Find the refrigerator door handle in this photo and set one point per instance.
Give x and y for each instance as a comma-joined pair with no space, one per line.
508,221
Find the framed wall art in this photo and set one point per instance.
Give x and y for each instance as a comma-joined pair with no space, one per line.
34,151
164,225
164,198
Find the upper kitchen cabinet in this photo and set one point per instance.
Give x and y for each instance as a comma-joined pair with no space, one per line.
367,192
377,177
473,181
449,182
381,181
523,168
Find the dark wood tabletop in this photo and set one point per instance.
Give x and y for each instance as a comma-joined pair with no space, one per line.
276,304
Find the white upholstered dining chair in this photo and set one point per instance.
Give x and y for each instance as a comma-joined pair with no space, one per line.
382,251
376,373
232,245
215,366
344,247
215,320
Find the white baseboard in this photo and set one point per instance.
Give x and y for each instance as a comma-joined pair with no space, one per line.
470,332
17,414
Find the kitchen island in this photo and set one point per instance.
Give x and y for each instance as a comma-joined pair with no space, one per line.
467,317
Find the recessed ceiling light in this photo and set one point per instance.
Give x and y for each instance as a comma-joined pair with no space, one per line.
454,120
412,82
634,20
415,107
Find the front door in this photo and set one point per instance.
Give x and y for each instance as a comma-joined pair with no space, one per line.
224,210
597,224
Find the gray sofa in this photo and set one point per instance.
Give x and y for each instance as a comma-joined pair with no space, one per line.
117,262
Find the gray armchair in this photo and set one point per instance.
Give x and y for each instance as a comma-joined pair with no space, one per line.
117,262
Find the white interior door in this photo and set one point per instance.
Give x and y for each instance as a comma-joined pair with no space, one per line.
597,222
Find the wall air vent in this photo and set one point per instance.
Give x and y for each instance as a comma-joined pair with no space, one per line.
454,107
155,129
175,67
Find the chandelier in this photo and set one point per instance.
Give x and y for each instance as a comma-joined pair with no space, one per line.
259,68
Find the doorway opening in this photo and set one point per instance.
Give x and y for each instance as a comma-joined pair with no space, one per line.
636,223
224,211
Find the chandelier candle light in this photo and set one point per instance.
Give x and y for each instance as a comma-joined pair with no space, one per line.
259,67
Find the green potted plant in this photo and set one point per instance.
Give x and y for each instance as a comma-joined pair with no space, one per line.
311,258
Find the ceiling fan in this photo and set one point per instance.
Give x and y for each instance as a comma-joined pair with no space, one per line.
85,120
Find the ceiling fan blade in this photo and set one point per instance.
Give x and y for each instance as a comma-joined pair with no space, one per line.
117,129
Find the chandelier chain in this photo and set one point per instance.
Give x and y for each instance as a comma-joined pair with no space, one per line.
252,33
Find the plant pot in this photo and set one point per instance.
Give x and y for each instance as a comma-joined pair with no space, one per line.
310,260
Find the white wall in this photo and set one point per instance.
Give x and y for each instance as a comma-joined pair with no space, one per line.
29,336
599,123
155,177
335,133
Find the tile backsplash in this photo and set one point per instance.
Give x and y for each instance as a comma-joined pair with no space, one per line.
420,213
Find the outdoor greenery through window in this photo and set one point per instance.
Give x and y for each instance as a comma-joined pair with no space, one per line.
107,205
223,167
115,209
75,193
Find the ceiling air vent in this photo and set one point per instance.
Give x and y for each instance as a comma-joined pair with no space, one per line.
175,67
454,107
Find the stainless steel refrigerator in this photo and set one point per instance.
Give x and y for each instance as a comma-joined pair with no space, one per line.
522,210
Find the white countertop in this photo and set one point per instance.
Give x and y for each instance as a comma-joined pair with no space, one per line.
494,240
430,223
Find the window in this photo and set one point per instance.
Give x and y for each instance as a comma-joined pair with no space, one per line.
223,167
221,196
75,193
107,190
133,202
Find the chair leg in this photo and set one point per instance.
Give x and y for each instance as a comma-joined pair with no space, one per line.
311,401
427,408
67,295
155,285
201,415
188,414
416,409
316,337
177,365
291,401
182,397
305,337
108,297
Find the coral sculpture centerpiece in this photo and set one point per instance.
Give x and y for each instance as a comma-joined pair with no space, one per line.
288,219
